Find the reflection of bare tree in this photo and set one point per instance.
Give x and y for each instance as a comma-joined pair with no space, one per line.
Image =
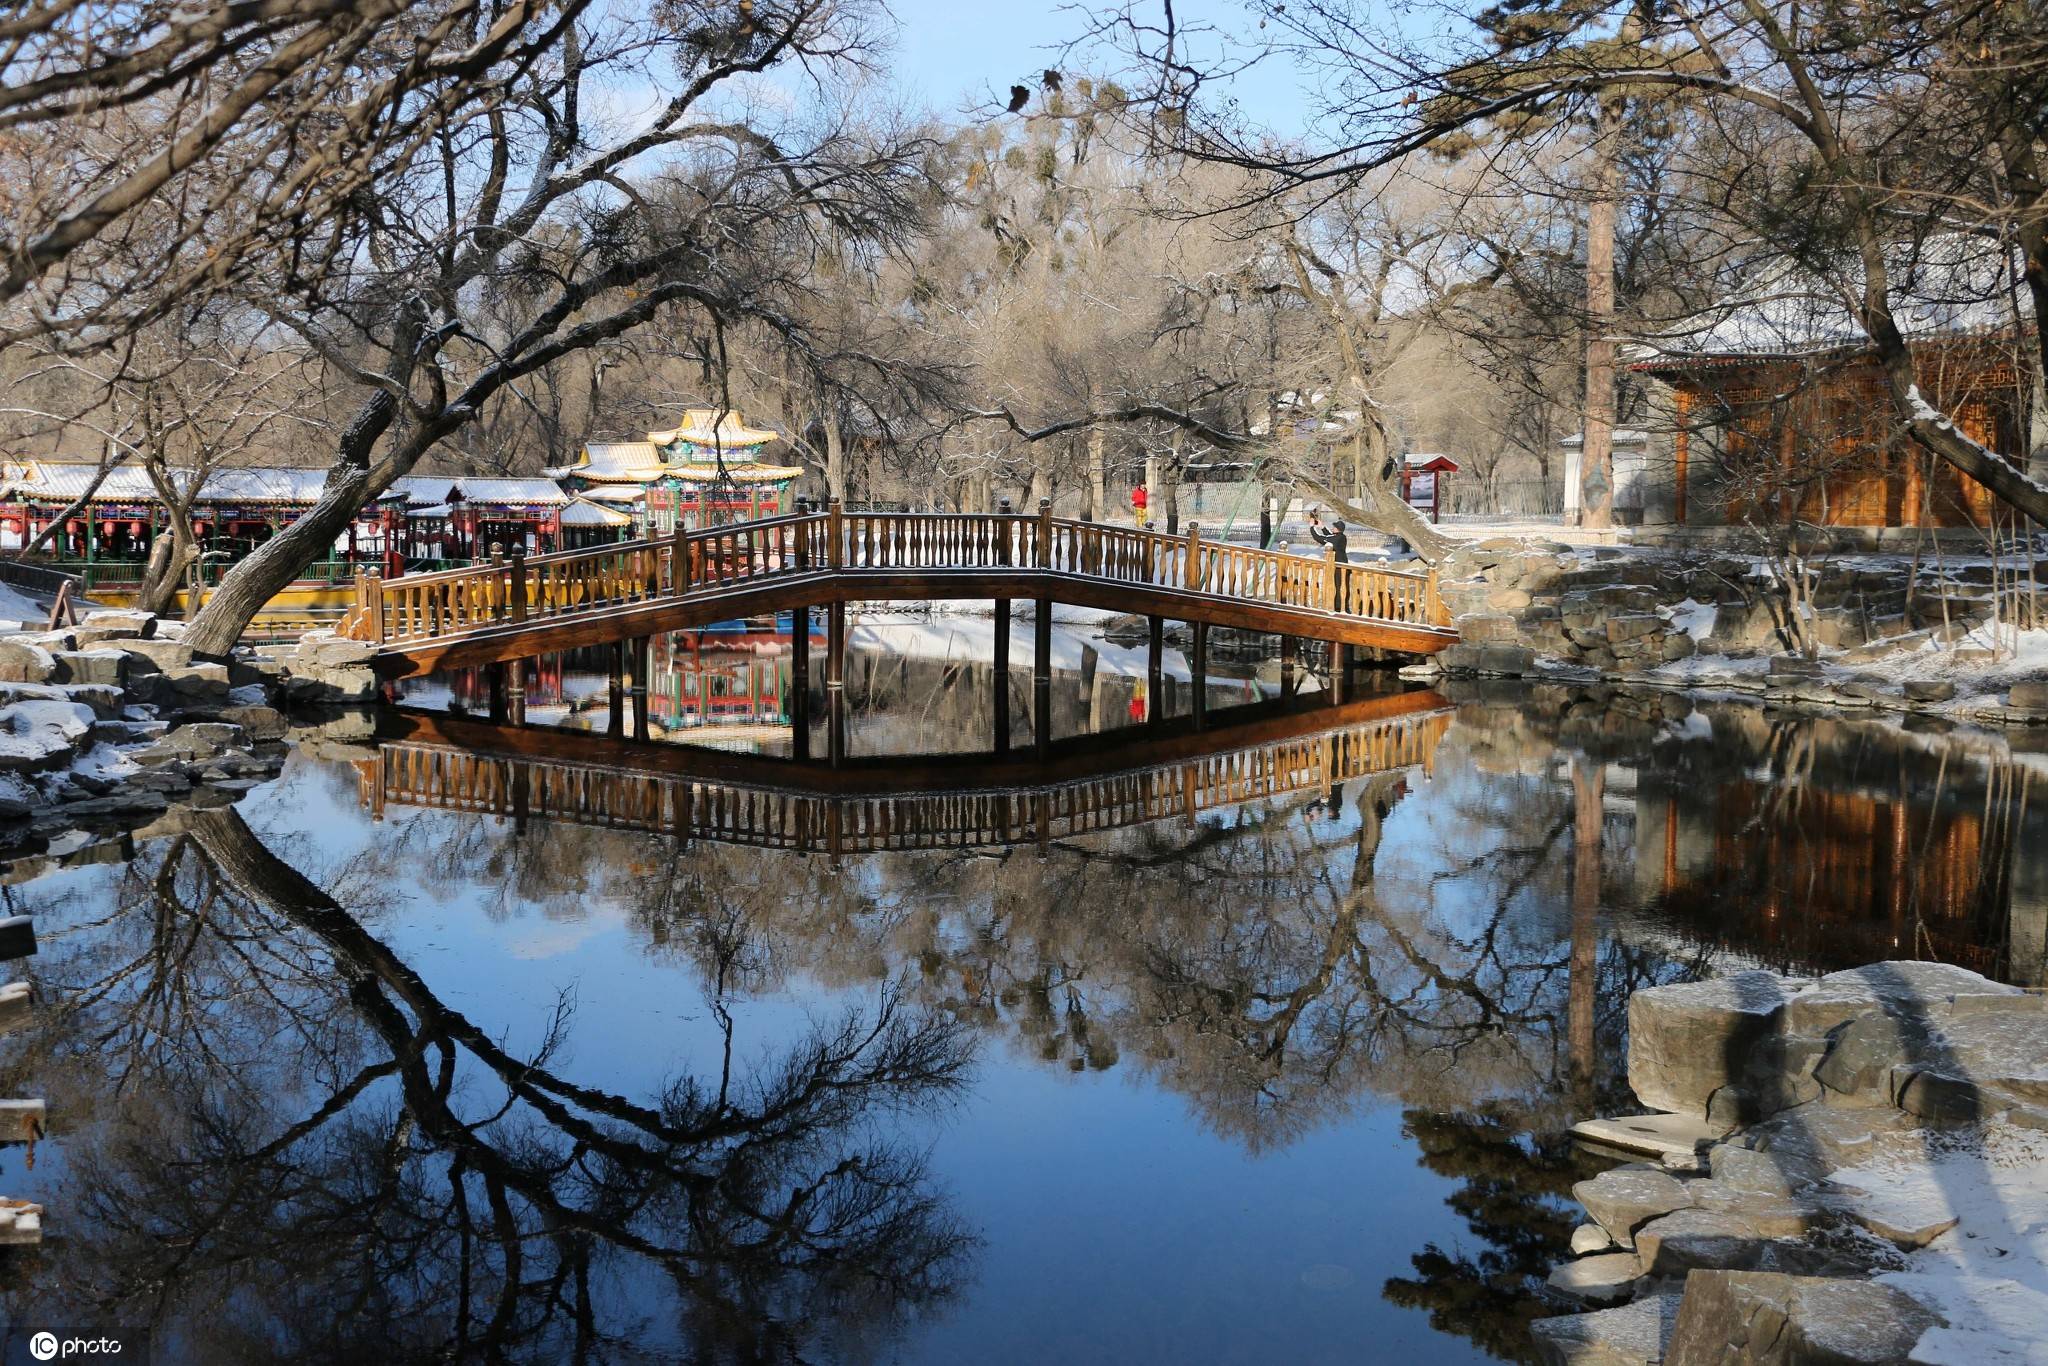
307,1152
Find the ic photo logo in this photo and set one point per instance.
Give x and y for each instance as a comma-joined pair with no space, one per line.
65,1345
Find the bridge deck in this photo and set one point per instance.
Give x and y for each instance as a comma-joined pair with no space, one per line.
954,801
519,607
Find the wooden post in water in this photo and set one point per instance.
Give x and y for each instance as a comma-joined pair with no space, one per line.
1290,650
1200,668
522,793
835,673
1340,673
1155,671
515,692
1041,678
800,680
615,692
495,676
999,680
643,668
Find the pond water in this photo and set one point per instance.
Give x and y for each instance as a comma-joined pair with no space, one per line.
1237,1046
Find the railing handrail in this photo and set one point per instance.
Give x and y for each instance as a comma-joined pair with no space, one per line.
867,545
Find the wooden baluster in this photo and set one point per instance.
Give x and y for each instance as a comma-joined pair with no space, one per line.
1192,569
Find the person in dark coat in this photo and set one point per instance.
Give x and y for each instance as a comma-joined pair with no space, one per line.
1333,538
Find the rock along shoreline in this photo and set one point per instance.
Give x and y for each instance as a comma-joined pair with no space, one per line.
1849,1169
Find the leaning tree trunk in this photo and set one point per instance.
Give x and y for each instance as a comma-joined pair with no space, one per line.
351,482
171,556
1382,509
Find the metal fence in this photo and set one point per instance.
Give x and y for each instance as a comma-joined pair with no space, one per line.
37,578
1469,497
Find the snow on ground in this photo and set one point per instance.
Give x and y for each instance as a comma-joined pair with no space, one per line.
2024,655
1694,617
973,638
19,607
1988,1276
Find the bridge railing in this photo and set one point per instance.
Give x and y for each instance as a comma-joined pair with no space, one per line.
521,588
407,773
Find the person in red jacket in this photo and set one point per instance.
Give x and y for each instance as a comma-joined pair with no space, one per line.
1139,500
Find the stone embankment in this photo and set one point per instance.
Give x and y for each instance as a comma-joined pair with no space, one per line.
1889,634
115,720
1852,1169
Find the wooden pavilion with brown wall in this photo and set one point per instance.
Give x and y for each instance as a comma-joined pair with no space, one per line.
1814,440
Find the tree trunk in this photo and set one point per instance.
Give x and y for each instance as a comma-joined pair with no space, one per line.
1098,472
171,554
835,456
1596,456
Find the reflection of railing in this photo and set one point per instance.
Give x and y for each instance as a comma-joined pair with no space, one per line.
447,777
419,607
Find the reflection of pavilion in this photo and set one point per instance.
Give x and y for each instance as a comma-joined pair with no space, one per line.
918,802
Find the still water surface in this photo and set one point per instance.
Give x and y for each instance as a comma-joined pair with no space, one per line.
339,1073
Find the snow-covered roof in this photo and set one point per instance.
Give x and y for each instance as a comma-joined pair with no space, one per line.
59,481
1951,285
511,492
1620,436
627,461
616,493
706,427
582,512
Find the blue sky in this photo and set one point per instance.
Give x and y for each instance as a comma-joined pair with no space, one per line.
954,51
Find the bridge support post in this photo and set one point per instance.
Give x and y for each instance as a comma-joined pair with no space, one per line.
1200,668
495,677
800,682
835,680
515,692
1290,651
1041,678
615,692
1155,671
999,680
643,667
1340,672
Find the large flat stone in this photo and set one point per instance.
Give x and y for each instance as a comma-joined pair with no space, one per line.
1688,1041
1764,1171
1687,1239
1624,1199
43,735
1900,988
1656,1136
1764,1318
1607,1278
23,662
1633,1334
91,666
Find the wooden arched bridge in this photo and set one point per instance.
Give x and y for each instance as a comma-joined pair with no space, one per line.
624,594
432,760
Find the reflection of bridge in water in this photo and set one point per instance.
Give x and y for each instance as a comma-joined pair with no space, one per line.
865,806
